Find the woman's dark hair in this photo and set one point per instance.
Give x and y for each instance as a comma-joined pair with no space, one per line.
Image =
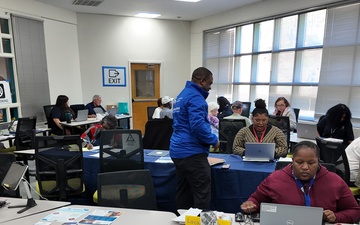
222,102
306,144
287,103
61,102
335,113
260,107
110,120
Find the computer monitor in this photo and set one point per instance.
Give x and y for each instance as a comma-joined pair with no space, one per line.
246,109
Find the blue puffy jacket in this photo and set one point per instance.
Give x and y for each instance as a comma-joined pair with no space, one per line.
192,133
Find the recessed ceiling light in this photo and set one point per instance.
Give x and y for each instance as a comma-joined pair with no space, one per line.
148,15
187,0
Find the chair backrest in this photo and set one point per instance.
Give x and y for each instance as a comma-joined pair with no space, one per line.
296,111
158,133
127,189
227,132
6,159
76,108
121,149
59,165
150,111
246,109
283,123
334,153
47,111
25,130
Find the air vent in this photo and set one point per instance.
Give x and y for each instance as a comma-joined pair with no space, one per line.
88,2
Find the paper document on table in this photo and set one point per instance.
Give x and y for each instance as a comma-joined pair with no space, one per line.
65,214
287,159
164,159
190,212
96,155
336,140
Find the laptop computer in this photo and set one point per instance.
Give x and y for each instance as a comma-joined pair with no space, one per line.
259,152
82,115
271,214
113,111
305,130
99,110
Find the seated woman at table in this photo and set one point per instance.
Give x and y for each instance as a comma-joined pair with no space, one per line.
260,131
337,124
58,114
92,134
322,188
282,108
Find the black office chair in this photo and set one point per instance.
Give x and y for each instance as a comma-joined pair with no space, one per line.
59,166
127,189
334,153
227,132
6,159
25,130
158,133
76,108
150,111
283,123
121,149
47,111
246,109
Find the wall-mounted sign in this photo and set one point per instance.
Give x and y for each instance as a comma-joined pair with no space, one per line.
114,76
5,95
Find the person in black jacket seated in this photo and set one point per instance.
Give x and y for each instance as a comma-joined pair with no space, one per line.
58,114
337,124
224,107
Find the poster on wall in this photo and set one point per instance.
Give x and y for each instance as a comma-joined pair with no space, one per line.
114,76
5,95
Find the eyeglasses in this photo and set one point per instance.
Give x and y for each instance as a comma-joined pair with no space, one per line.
280,105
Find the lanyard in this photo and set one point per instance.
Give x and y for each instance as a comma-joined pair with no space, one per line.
256,136
302,188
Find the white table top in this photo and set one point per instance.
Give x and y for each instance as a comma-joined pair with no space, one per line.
128,216
91,121
7,214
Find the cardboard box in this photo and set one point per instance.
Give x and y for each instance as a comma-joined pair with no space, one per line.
108,107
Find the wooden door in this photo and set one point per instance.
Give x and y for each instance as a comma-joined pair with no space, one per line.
145,90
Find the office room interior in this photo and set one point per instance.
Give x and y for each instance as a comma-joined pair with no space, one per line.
78,45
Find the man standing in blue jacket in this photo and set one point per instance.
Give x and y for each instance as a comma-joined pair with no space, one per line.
191,140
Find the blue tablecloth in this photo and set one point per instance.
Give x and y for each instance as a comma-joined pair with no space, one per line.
229,187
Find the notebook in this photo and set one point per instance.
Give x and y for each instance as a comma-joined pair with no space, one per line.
271,214
82,115
214,161
259,152
99,110
305,130
159,153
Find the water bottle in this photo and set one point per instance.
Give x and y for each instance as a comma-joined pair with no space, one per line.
68,117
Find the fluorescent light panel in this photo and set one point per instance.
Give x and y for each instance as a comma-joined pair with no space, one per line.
187,0
148,15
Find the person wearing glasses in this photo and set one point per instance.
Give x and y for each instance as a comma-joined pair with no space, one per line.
92,135
282,108
260,132
96,103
